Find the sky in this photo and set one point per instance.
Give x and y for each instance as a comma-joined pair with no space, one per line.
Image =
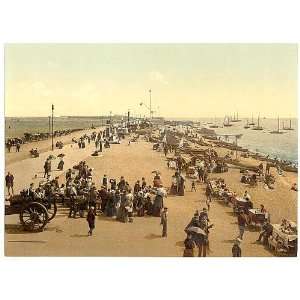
186,80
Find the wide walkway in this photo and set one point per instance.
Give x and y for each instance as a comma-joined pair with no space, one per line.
68,237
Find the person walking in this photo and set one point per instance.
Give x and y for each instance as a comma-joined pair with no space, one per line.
46,170
189,246
236,249
164,221
9,182
193,186
18,147
91,220
241,223
208,196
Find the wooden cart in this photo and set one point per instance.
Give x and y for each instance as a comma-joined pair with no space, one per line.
33,215
283,242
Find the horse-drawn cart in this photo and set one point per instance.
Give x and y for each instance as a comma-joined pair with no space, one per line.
33,214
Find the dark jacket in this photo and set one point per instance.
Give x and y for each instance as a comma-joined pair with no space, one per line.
236,251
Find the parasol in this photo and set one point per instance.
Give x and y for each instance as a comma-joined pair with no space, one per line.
51,156
156,172
61,155
196,230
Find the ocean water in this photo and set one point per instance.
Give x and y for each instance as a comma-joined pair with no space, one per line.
16,127
283,146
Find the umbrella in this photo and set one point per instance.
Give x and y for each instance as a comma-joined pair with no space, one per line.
51,156
156,172
61,155
196,230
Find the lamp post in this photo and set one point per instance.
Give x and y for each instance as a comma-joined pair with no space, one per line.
49,125
52,127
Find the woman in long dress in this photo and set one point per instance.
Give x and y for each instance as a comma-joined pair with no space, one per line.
181,186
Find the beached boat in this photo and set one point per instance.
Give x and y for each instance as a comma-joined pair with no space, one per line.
227,122
288,128
278,129
258,127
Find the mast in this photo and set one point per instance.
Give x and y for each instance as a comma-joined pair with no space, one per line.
278,123
290,123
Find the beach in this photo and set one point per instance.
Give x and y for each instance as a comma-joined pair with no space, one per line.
68,237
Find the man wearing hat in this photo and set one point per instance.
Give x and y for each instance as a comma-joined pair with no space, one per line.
241,219
164,221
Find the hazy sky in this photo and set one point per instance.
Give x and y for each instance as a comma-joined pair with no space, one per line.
187,80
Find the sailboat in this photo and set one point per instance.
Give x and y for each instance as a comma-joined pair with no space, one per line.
214,125
257,127
278,129
252,123
247,125
227,122
288,128
236,119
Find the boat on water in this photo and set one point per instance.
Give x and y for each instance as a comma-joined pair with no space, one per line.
227,122
247,125
278,129
258,127
288,128
236,118
252,122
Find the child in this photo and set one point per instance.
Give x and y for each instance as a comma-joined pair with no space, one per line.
236,249
91,220
193,186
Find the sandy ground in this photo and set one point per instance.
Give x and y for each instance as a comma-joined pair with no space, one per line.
68,237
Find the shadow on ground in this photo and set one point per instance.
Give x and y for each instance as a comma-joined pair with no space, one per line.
15,229
152,236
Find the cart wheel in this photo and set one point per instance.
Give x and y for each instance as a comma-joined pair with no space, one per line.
51,209
34,216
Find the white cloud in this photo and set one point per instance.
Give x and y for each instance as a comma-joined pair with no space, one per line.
157,76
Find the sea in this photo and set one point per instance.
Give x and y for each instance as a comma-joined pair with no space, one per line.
283,146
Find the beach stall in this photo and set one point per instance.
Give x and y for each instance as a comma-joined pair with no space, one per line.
258,218
283,240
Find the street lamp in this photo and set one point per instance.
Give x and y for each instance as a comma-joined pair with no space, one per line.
52,127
